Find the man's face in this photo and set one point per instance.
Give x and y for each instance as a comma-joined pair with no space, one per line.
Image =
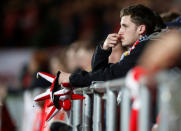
128,32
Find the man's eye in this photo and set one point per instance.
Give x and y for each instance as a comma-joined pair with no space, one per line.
124,26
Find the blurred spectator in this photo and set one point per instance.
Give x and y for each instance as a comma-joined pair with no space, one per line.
33,86
169,16
162,54
79,55
84,55
175,23
58,60
71,57
38,63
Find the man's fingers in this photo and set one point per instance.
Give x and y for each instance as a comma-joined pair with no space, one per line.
64,77
113,38
112,45
113,35
113,42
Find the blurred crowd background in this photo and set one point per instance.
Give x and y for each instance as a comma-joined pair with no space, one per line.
47,35
49,23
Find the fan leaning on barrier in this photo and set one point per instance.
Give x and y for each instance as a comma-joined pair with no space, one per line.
60,95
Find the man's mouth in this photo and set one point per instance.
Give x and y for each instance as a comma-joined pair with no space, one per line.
121,40
121,37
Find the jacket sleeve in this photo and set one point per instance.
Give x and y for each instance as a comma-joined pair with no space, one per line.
82,78
100,58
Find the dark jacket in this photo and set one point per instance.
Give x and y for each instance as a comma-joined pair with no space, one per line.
102,70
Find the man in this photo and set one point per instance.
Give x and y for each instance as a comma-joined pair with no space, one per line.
137,23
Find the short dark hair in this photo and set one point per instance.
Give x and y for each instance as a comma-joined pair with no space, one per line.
140,14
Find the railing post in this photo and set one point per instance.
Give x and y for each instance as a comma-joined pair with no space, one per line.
144,117
76,114
97,122
87,113
125,106
69,119
111,120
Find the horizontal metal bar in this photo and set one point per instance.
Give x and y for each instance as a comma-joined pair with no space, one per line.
87,90
113,85
101,86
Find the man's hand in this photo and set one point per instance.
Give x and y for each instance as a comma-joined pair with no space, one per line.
111,41
64,77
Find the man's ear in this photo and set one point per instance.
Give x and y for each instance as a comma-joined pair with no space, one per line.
142,29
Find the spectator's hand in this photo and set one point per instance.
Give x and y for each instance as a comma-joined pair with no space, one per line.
64,77
111,41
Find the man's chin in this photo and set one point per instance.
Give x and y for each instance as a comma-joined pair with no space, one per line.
123,44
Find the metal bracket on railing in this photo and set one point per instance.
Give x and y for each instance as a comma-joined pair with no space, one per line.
98,87
88,90
114,85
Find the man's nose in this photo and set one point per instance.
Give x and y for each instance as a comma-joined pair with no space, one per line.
120,32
